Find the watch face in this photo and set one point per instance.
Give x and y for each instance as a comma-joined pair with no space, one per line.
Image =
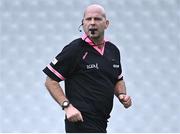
65,104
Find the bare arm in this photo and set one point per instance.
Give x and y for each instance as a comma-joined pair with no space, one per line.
57,93
120,92
55,90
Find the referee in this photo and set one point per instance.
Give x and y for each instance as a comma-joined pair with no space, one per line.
91,69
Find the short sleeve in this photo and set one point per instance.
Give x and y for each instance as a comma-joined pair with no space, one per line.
61,66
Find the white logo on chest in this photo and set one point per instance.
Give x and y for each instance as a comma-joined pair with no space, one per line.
90,66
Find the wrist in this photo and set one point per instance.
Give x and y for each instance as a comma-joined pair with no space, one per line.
65,104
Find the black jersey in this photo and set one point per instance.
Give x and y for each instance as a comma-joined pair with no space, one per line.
90,75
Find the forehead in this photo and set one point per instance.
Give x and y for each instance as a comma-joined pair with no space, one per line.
94,12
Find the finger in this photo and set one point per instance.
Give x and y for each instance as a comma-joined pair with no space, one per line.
121,97
74,119
126,98
127,104
81,118
127,101
77,117
70,119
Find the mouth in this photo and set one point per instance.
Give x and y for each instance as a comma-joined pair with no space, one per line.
93,30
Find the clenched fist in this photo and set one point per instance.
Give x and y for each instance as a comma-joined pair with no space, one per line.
73,114
125,100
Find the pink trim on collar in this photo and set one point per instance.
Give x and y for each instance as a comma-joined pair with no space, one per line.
89,41
84,36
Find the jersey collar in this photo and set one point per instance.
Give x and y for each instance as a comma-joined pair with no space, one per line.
90,42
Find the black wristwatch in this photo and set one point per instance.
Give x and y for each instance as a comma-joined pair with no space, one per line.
65,104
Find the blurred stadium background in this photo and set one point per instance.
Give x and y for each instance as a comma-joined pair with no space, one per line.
147,32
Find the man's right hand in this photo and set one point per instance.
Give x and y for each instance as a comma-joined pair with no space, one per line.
73,114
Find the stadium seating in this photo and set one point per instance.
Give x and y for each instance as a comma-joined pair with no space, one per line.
147,32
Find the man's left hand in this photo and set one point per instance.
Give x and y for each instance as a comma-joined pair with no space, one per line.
125,100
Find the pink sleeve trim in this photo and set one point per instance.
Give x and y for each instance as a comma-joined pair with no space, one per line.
55,72
120,76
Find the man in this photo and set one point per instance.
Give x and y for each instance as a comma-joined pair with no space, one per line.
91,68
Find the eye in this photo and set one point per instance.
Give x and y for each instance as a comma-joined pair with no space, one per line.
88,19
97,18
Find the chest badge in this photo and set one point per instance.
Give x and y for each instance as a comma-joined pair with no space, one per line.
91,66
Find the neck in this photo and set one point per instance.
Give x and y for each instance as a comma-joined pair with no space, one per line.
99,41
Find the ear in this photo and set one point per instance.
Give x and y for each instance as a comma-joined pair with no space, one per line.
107,24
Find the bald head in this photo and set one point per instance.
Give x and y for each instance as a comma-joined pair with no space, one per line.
94,22
95,8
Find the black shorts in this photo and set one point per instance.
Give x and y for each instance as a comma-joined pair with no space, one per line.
89,125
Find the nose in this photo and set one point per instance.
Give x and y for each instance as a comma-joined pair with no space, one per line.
92,21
